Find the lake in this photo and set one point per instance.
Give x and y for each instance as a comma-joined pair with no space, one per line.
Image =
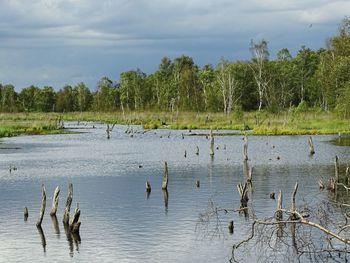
119,222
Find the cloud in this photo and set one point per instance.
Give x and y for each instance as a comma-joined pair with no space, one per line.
139,32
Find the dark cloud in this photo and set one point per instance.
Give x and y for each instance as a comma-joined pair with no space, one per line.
54,42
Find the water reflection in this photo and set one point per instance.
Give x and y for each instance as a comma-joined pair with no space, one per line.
55,225
166,199
73,240
42,237
148,193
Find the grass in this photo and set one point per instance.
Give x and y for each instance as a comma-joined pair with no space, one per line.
258,123
13,124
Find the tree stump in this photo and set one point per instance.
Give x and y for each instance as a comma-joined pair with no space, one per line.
42,208
279,213
294,216
230,226
311,146
26,214
75,224
148,187
68,205
55,201
165,177
243,192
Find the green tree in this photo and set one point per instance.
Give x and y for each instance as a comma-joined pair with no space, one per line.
83,96
65,100
8,98
28,98
46,99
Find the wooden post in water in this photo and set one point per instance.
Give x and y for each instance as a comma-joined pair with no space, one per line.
25,214
245,148
108,132
279,214
197,150
243,193
292,206
42,208
165,177
230,226
55,201
148,187
336,169
75,224
211,143
311,146
68,205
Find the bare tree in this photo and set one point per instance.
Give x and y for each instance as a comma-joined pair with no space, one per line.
228,86
260,55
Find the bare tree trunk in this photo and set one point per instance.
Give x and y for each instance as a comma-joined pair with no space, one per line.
294,216
279,213
55,201
42,208
68,205
311,146
75,224
165,177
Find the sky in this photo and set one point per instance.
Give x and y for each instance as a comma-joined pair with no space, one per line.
59,42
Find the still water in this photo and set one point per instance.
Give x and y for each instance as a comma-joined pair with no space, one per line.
119,222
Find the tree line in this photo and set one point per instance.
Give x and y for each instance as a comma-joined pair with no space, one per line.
313,78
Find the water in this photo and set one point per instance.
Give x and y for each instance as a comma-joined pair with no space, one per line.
119,222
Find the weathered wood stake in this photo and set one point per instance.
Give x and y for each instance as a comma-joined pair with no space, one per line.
294,216
108,132
230,226
55,201
75,224
311,146
68,205
165,177
198,183
279,213
243,192
321,184
197,150
26,214
43,206
148,187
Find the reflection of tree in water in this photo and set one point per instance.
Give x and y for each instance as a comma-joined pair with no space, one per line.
42,237
209,223
56,226
73,240
165,199
309,233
